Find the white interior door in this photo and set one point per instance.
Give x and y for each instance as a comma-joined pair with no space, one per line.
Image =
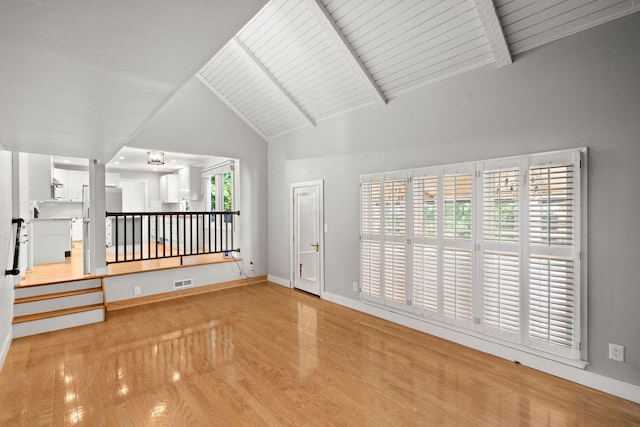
307,237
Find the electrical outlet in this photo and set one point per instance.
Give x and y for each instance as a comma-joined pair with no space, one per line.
136,290
355,286
250,265
616,352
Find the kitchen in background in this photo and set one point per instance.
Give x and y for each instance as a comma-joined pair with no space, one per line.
58,196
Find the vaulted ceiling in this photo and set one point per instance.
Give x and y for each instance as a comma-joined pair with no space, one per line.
82,78
298,62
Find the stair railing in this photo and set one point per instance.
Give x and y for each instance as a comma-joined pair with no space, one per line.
16,252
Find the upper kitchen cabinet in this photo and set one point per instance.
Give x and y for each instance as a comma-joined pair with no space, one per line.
61,184
70,184
190,183
40,174
76,181
169,188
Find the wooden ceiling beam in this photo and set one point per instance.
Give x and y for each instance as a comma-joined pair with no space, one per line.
491,23
344,47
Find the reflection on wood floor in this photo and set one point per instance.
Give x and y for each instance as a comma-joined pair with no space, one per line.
71,268
265,355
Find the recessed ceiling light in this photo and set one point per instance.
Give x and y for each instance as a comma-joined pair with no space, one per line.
155,169
173,161
117,163
67,161
121,158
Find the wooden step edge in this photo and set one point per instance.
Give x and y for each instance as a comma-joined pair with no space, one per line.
56,313
59,280
56,295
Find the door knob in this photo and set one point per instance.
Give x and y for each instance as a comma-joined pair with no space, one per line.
316,245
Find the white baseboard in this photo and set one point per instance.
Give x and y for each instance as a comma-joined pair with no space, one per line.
279,281
4,349
574,374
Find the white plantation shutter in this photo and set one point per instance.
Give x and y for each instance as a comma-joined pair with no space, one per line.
493,247
394,272
553,254
425,243
457,266
501,293
551,198
425,277
501,296
371,238
551,301
394,280
371,202
457,280
371,268
425,199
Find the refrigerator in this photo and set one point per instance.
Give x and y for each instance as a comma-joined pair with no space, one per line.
112,199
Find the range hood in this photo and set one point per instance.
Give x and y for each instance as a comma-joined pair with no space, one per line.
56,183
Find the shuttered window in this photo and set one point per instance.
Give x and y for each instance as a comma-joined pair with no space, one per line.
553,280
371,234
493,247
425,243
501,296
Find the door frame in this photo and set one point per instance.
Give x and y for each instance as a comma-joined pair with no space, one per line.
292,232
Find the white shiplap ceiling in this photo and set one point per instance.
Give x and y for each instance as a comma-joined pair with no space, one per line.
298,62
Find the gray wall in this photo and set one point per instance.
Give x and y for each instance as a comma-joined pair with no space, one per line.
581,91
6,253
194,121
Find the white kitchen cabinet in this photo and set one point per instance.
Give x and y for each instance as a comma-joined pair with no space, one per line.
62,175
75,183
108,232
169,188
51,240
190,183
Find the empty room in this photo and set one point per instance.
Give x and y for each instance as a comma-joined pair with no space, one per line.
319,212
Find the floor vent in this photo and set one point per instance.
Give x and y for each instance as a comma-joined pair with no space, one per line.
179,284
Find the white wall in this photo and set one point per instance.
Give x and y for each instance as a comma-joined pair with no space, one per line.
580,91
6,254
195,121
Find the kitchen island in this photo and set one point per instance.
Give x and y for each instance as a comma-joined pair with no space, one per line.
50,239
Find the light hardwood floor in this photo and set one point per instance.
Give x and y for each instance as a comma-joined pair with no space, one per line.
266,355
71,268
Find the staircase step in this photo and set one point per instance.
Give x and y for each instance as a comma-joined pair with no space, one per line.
56,313
54,288
55,320
56,295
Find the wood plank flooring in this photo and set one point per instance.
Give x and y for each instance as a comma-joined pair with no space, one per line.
265,355
71,268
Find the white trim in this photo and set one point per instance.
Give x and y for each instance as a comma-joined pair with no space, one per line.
493,29
317,9
243,48
4,350
557,368
279,281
